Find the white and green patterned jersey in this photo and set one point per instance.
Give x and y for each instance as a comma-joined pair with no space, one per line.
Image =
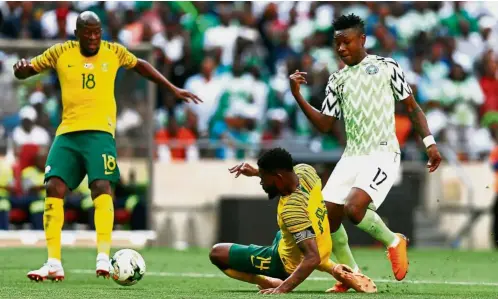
364,96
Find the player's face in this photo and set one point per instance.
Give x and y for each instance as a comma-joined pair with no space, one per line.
269,183
89,37
349,45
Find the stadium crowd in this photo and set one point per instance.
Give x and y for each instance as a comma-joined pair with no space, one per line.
237,57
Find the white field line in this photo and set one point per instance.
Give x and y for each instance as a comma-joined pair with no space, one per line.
209,275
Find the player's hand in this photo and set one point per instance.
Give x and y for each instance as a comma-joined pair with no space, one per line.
296,80
22,69
187,96
245,169
272,291
434,158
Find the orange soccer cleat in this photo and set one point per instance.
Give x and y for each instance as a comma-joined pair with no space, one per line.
347,279
398,256
339,287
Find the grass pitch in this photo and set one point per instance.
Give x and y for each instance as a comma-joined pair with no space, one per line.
189,274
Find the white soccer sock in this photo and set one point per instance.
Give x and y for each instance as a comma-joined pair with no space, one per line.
395,242
102,256
54,262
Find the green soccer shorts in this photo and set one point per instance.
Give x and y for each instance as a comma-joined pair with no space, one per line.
76,154
255,259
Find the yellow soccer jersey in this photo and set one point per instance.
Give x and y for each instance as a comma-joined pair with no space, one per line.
300,210
87,84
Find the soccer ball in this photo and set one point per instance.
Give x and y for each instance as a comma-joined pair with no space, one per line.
127,267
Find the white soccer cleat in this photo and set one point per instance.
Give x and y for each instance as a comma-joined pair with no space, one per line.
103,266
51,271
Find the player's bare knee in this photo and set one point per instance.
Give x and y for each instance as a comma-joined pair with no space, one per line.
335,214
219,255
354,212
334,224
56,187
99,187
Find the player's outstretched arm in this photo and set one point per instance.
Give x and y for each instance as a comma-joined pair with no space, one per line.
419,122
322,122
311,260
146,70
23,69
244,169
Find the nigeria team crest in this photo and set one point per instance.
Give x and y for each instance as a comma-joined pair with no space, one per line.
372,69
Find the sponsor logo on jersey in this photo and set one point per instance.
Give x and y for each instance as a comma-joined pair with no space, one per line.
88,66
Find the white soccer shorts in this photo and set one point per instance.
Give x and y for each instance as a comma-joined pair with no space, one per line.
375,174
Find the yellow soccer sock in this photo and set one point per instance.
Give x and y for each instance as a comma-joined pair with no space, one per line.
104,221
53,220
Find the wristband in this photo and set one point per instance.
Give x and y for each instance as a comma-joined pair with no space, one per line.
428,141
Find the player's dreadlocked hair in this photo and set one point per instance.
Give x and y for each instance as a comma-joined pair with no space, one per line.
349,21
276,159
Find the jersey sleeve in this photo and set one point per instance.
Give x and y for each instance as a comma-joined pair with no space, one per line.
309,177
330,105
294,215
126,59
399,85
48,59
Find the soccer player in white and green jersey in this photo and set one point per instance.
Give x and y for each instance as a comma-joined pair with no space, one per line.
363,93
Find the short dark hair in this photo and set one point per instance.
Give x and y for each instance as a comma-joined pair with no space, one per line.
349,21
276,159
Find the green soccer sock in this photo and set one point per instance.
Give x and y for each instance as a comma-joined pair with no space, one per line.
341,250
375,227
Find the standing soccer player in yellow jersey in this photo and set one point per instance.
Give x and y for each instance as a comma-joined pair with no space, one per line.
303,243
84,143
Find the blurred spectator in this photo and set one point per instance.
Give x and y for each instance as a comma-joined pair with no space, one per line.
242,89
489,36
223,36
9,105
28,132
469,43
78,205
33,186
171,43
418,19
493,159
461,95
210,86
6,188
175,142
489,83
23,22
403,125
278,130
239,54
37,100
59,23
434,67
234,132
454,20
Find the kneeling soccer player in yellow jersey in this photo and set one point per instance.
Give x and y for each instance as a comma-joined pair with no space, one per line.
84,142
303,243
